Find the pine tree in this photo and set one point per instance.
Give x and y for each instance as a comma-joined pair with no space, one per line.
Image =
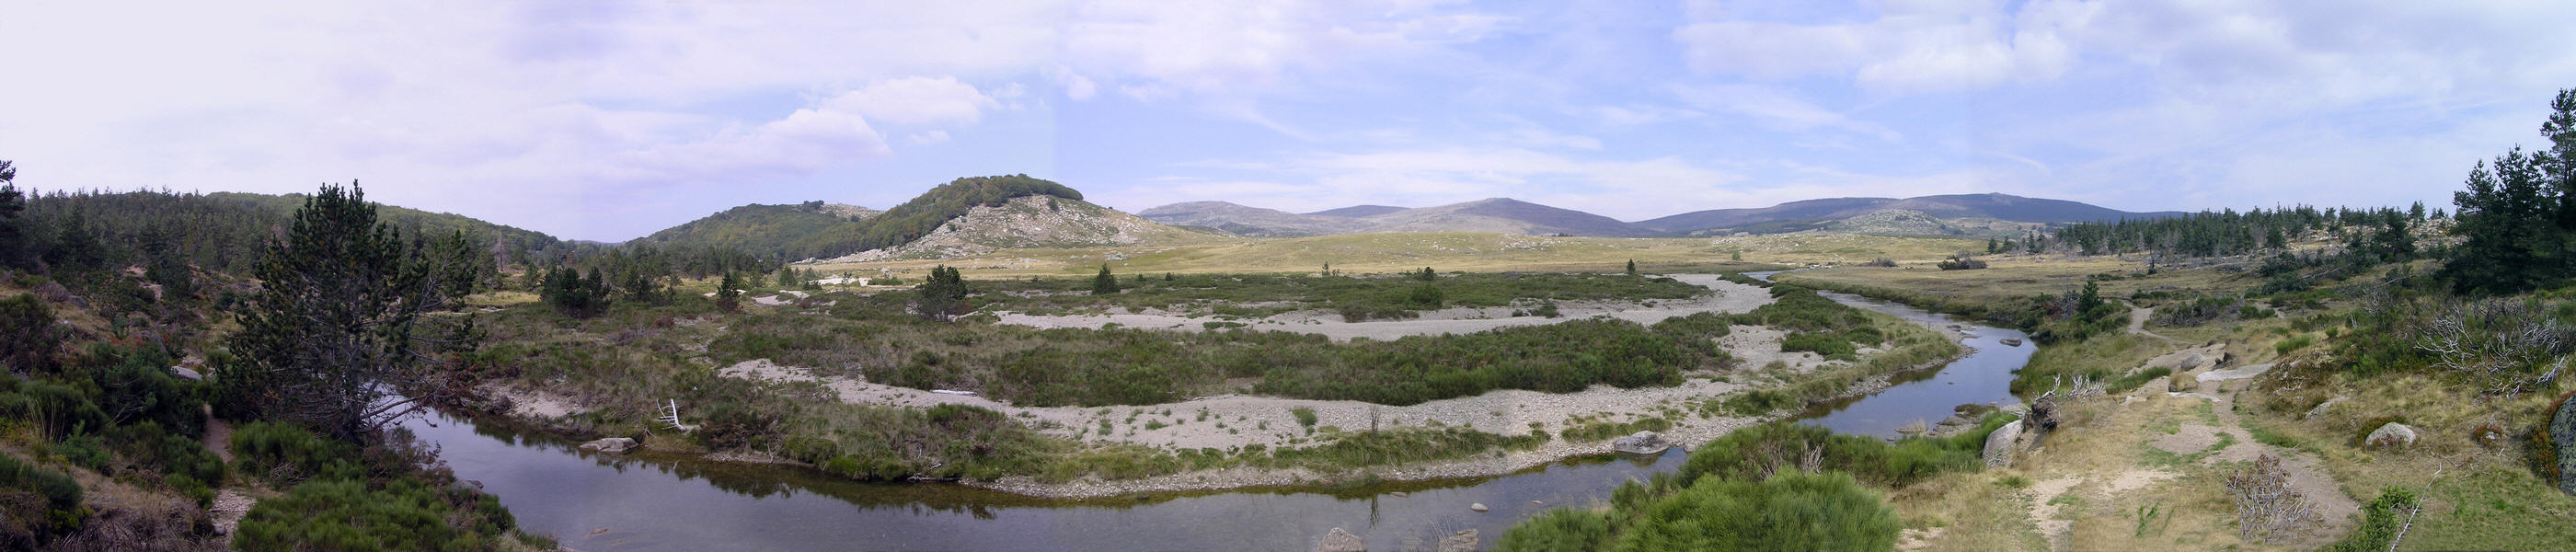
1632,267
13,228
1104,284
941,294
729,292
328,339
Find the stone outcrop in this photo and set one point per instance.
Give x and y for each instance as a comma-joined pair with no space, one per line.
2562,434
1340,541
1642,442
1462,541
2392,435
612,445
2002,444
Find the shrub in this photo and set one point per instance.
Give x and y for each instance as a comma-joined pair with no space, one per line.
289,454
1758,451
1305,416
731,426
2383,522
346,515
1557,529
1817,511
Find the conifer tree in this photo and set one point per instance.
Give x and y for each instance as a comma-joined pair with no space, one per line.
13,228
1105,283
328,341
940,294
729,292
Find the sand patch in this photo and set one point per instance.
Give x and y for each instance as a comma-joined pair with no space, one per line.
2193,439
535,403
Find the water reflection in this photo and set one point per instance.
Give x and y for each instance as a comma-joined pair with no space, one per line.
653,501
650,501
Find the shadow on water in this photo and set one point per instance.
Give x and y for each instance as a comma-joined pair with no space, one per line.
650,501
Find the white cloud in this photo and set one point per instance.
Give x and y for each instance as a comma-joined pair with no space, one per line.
1775,108
917,101
1910,47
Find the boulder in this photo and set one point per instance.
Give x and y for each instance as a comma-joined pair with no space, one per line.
1477,506
1462,541
612,445
2320,409
2562,433
2392,434
1340,541
2000,444
2012,342
1642,442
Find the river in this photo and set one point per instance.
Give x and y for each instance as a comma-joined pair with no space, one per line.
649,501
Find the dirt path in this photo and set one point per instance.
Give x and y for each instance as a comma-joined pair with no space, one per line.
1729,297
2138,321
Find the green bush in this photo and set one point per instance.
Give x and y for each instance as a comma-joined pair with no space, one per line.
1560,529
61,492
292,453
346,515
1780,446
2381,521
1791,510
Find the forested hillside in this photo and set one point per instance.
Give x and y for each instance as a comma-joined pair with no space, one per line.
775,231
916,218
219,231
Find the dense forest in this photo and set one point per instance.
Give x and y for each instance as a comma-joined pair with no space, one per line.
220,231
773,231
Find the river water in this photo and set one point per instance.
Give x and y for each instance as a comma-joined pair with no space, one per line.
649,501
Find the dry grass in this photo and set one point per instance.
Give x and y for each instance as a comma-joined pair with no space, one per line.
1975,511
2476,496
1446,251
2013,278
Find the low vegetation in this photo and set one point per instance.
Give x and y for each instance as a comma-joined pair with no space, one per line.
1758,487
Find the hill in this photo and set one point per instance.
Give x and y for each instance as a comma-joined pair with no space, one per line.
1245,221
930,211
1503,215
1359,211
1496,215
1031,222
774,231
1965,214
226,230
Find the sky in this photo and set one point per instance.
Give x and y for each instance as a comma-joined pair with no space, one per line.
609,120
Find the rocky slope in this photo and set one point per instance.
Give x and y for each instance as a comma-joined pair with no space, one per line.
1031,221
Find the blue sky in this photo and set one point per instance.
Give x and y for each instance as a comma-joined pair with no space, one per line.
608,120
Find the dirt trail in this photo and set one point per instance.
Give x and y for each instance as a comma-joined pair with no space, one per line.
2138,321
1729,297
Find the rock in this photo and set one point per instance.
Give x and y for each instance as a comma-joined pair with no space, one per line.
1642,442
2320,409
1999,445
2394,435
1397,494
2012,342
612,445
2562,431
1479,506
184,372
1340,541
1462,541
2237,373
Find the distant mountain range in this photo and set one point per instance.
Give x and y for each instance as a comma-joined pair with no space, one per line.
982,214
1823,212
1497,215
1958,215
